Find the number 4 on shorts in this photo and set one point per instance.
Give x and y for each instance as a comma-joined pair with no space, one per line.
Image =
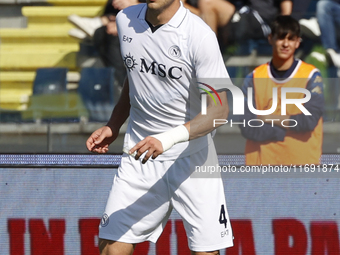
223,218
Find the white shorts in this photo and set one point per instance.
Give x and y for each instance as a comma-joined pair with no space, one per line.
143,196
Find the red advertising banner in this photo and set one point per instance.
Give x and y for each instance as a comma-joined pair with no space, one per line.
57,212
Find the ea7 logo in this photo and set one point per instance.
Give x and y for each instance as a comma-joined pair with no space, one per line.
127,39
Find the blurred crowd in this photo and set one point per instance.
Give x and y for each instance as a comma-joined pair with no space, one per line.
325,26
233,21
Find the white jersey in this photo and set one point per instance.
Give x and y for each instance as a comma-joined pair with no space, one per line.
163,67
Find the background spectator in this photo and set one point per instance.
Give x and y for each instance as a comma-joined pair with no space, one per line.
237,21
275,143
103,31
324,27
328,16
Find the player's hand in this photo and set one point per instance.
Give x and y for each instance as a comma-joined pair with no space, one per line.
150,144
100,140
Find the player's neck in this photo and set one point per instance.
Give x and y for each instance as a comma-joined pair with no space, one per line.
162,15
282,64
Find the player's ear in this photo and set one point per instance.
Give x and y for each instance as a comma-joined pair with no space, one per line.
299,40
270,38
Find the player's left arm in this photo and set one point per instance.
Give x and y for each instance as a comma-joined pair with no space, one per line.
199,126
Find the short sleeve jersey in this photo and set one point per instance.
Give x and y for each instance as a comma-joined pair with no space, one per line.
163,67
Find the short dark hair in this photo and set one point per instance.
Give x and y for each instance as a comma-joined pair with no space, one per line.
284,25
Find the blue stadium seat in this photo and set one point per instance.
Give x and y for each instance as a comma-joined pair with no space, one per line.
50,81
10,116
51,101
97,89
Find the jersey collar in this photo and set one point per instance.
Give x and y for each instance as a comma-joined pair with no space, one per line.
175,21
288,76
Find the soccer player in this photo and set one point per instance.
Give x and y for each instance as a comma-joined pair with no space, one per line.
294,138
169,53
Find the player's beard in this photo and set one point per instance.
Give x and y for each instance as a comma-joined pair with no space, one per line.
159,6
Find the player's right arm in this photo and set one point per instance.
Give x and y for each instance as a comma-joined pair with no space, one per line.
100,139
